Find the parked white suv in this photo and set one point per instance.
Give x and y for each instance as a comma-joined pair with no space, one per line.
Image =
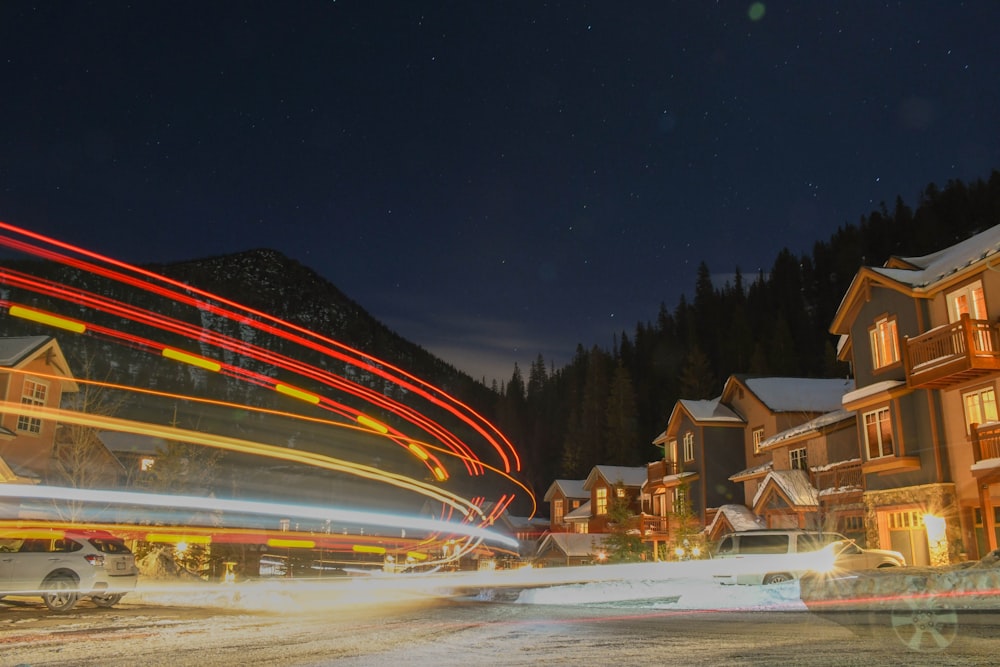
770,556
61,566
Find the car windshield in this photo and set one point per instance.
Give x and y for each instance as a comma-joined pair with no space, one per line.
572,331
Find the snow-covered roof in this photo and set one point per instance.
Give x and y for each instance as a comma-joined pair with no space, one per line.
132,443
710,411
573,544
570,488
871,390
800,394
755,471
943,264
15,349
739,517
627,475
813,426
795,485
581,513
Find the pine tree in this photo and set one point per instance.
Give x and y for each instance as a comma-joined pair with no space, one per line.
623,545
622,434
697,381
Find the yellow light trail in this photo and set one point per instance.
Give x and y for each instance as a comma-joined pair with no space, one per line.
47,318
290,415
193,360
367,421
291,544
367,549
229,443
297,393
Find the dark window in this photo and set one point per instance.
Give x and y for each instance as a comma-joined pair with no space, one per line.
764,544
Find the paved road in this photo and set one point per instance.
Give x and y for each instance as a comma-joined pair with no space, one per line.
449,632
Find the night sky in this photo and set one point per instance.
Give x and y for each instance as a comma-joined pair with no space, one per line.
491,180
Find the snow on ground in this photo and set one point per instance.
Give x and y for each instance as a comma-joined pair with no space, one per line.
689,585
685,585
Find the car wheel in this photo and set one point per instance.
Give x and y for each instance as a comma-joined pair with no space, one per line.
60,593
107,600
777,578
924,625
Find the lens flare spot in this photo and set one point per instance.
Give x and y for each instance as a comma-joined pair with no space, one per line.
756,11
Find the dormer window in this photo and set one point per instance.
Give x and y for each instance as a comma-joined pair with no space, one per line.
885,342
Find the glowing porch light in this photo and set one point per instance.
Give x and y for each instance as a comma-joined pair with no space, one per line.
192,359
47,318
935,527
297,393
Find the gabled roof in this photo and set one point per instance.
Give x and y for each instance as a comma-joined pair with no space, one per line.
739,517
701,412
923,272
574,545
633,477
921,277
570,488
15,350
781,394
794,484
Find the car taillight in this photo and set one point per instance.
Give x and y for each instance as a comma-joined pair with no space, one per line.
97,560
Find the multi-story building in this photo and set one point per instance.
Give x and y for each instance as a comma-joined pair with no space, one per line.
921,335
564,496
33,374
706,442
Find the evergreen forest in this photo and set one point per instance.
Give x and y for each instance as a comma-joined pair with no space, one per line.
608,405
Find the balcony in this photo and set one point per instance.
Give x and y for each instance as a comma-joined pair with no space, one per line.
654,526
656,471
839,480
952,353
986,441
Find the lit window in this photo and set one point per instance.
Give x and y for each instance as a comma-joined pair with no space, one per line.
557,510
602,501
671,451
885,344
758,437
146,463
968,300
878,433
980,407
33,394
797,459
620,492
689,446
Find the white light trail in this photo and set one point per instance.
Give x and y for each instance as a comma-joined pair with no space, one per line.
282,510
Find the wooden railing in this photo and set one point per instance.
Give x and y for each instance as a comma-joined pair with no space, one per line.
953,352
986,441
656,471
844,477
654,525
